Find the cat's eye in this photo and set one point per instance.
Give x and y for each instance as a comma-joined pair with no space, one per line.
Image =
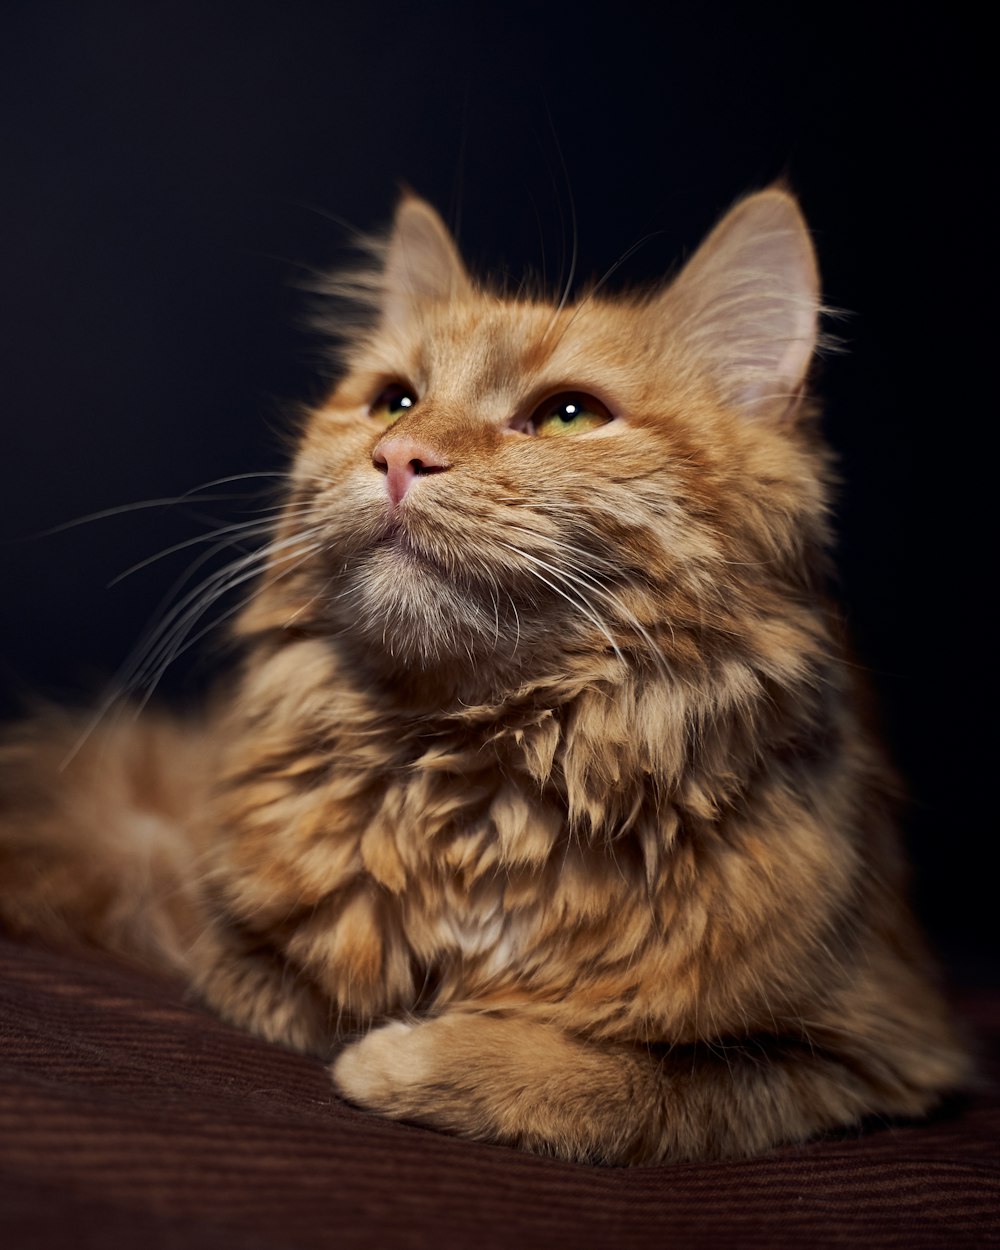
392,402
571,412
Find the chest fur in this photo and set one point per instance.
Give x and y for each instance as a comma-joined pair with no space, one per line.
426,884
379,889
450,873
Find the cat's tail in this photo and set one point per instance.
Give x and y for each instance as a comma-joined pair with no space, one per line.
102,835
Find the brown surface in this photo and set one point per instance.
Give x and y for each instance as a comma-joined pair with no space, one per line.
129,1117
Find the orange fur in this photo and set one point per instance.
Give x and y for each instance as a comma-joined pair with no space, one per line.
551,781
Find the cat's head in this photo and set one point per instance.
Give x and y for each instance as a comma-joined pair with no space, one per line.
509,488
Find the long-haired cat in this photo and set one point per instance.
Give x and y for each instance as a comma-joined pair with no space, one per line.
543,804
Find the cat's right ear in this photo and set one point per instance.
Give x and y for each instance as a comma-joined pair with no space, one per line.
422,264
746,305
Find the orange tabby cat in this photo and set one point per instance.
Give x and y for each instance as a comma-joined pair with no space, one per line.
544,785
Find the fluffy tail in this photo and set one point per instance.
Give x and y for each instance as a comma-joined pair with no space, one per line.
105,846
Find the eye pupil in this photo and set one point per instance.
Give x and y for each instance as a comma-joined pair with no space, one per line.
569,413
392,402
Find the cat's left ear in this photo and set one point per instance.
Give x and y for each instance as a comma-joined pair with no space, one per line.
422,263
746,306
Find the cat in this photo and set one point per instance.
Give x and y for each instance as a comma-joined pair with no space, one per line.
543,806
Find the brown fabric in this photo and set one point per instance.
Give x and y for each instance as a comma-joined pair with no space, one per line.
130,1117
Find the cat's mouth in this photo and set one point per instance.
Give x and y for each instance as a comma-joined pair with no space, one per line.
398,540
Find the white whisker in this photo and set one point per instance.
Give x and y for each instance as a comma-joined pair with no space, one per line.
582,605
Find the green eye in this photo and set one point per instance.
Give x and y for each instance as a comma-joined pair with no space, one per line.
569,413
392,402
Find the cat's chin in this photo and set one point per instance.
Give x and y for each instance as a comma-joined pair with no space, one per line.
409,557
410,611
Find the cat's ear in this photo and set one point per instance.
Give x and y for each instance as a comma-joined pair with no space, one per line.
746,305
422,263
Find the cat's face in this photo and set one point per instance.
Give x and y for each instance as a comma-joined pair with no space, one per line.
500,485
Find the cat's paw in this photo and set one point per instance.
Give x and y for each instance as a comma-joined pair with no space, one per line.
509,1080
376,1071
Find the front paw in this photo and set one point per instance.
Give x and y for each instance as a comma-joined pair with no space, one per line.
508,1080
379,1070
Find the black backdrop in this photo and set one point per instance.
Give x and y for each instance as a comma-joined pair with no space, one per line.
173,173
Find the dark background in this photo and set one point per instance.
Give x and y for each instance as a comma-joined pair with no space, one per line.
173,175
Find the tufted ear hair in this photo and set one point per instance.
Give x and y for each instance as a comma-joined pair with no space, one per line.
746,306
421,262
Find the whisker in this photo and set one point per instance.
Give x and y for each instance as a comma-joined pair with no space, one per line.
568,284
184,643
240,530
583,605
601,281
189,496
170,630
206,593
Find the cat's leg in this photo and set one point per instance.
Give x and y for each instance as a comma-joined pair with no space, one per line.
510,1079
504,1079
257,990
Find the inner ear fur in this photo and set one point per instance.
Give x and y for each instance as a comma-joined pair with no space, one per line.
422,262
746,306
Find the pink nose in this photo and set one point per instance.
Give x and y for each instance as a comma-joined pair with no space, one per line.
403,460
